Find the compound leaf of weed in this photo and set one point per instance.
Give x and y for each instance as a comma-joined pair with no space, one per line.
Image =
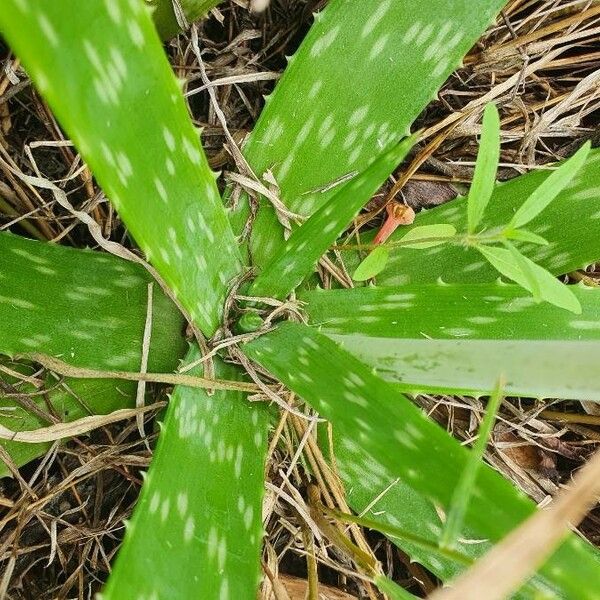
570,246
297,258
524,235
384,433
439,233
486,166
550,188
372,264
113,90
550,289
526,271
196,531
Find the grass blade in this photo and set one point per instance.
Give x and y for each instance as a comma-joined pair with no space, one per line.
97,81
383,432
463,491
551,187
78,298
306,245
486,166
197,529
319,125
462,338
570,245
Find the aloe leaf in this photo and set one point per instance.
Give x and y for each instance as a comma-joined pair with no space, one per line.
440,232
107,84
196,531
320,124
551,187
383,432
372,264
531,276
307,244
78,298
462,338
166,20
570,245
486,166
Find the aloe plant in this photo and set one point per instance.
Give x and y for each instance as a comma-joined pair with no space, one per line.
196,531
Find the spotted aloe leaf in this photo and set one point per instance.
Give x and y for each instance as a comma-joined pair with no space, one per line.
78,298
306,245
113,90
462,338
570,246
197,528
385,437
319,124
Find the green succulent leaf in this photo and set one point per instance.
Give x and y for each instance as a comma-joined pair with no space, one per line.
550,188
197,528
320,125
383,433
372,264
439,232
462,338
532,277
486,166
297,259
98,80
79,297
570,246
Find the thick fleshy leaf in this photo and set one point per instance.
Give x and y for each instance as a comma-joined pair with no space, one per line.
486,166
531,276
87,308
321,124
197,528
297,259
462,338
552,186
383,433
570,247
113,90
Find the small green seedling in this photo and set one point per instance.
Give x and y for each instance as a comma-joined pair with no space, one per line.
508,260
